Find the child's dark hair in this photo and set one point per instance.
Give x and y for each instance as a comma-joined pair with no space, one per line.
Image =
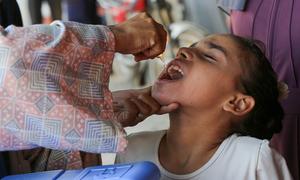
259,81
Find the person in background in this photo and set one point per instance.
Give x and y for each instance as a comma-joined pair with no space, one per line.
276,24
10,13
84,11
36,14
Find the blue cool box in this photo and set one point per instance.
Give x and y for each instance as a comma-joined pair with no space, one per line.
134,171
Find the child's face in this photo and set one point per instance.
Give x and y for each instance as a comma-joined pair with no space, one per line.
201,76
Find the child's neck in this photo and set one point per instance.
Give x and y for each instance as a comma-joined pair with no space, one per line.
191,141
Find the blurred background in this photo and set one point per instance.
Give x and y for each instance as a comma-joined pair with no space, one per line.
187,21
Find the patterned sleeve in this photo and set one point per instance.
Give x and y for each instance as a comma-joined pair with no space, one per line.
54,88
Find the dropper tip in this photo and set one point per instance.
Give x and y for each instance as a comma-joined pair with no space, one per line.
161,59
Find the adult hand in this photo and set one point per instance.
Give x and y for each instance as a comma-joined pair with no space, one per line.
134,106
140,36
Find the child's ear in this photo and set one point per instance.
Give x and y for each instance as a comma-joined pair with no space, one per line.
239,104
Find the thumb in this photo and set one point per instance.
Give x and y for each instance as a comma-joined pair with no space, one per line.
146,54
169,108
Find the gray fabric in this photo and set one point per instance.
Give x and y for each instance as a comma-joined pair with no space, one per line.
232,4
205,13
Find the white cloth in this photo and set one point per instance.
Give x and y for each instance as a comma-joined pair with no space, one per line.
238,157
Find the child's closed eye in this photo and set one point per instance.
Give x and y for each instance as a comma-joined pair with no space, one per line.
209,57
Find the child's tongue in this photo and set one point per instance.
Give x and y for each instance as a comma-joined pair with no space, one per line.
175,75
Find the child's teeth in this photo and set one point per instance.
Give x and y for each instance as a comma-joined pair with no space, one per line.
180,71
173,68
169,69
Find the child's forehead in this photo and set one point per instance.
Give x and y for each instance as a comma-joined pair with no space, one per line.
218,38
224,44
222,41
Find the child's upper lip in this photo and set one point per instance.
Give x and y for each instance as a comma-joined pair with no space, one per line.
178,62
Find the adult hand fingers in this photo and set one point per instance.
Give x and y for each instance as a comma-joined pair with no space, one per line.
156,44
143,107
169,108
150,101
126,113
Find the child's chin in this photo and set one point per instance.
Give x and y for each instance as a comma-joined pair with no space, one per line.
160,98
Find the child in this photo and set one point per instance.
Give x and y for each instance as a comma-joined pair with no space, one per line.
228,106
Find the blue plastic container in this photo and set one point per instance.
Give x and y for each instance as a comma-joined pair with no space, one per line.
135,171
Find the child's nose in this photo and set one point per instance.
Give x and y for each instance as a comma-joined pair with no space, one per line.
185,53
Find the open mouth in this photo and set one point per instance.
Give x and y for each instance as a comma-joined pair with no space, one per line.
172,72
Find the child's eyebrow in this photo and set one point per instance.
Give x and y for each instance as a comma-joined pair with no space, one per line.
216,46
